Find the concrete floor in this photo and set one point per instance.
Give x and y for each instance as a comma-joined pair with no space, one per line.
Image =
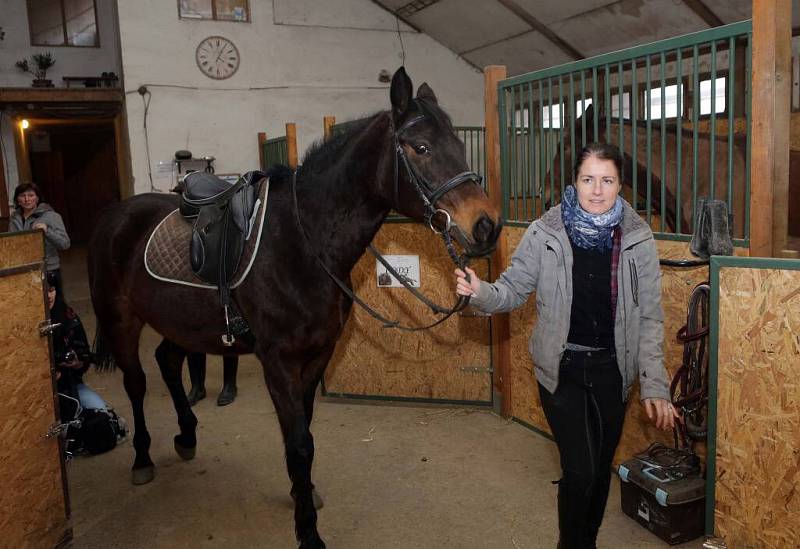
392,476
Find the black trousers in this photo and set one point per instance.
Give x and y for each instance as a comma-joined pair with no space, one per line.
585,415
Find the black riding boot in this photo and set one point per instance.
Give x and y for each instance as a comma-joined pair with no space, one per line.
197,375
230,369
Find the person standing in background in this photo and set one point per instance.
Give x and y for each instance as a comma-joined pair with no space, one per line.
31,214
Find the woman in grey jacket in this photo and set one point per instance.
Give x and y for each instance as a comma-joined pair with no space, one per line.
31,214
593,264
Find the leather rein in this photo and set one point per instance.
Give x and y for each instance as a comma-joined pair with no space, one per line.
429,195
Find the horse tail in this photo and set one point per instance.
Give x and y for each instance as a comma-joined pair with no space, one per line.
101,349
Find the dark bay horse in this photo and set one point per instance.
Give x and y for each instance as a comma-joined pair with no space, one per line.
296,313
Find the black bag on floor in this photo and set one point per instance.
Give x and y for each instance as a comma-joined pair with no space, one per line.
99,430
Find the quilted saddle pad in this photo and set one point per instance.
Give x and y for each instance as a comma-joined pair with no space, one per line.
166,256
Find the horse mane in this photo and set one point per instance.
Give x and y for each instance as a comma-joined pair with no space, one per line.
326,152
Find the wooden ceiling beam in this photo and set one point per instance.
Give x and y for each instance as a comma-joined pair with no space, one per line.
704,13
59,95
541,28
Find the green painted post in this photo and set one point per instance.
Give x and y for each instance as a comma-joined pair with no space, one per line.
596,104
695,116
748,98
712,169
663,213
634,130
678,134
583,109
649,157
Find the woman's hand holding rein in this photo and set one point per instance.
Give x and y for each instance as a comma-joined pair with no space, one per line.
465,288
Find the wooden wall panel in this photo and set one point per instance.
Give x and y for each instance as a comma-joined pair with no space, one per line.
21,249
33,494
448,362
758,408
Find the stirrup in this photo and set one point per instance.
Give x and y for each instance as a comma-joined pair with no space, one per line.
227,338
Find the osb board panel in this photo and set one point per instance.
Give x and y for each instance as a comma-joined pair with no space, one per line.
758,408
677,284
21,249
448,362
32,497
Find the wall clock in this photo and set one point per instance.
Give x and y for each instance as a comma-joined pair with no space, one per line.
217,57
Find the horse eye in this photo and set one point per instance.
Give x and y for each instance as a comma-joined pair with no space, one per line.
421,149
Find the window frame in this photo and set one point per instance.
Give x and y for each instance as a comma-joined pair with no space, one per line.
248,19
66,43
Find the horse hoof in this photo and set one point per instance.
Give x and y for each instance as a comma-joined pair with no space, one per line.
143,475
315,543
184,452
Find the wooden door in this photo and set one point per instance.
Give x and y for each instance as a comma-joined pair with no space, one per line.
33,495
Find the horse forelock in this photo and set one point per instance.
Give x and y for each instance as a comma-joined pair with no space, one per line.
433,112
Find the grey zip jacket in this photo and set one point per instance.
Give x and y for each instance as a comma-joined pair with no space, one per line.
543,263
56,237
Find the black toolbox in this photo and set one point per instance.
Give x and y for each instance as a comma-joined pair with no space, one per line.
663,500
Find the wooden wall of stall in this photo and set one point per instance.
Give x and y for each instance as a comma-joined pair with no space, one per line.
754,435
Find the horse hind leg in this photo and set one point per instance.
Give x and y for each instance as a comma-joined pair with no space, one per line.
123,336
169,357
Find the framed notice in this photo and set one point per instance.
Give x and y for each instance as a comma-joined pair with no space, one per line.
406,266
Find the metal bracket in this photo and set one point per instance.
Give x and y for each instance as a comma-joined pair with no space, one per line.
56,430
46,328
60,429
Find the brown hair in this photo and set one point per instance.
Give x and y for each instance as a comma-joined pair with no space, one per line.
25,187
603,151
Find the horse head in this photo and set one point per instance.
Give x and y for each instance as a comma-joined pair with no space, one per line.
432,181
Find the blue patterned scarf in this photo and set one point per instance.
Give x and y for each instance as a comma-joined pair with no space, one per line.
585,230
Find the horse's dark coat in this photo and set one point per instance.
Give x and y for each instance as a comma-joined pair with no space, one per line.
345,189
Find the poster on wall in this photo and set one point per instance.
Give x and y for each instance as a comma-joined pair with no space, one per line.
406,266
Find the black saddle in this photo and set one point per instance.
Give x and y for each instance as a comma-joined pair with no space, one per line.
223,216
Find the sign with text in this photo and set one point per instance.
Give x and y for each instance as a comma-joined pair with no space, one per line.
406,266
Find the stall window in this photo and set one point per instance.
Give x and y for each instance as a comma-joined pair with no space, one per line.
669,103
63,23
560,110
719,96
218,10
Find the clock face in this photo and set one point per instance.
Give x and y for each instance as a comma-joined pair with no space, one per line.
217,57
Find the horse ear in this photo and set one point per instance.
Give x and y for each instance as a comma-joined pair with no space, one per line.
400,93
425,92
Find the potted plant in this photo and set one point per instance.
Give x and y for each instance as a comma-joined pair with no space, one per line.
42,62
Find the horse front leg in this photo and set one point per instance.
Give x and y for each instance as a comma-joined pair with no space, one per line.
288,387
169,357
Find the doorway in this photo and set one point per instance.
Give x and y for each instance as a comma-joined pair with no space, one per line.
75,164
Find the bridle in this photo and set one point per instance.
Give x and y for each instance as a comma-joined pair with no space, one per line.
429,195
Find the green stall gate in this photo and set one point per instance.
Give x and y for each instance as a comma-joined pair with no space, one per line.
683,138
275,151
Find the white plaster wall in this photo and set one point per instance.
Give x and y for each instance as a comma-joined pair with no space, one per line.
300,60
70,61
